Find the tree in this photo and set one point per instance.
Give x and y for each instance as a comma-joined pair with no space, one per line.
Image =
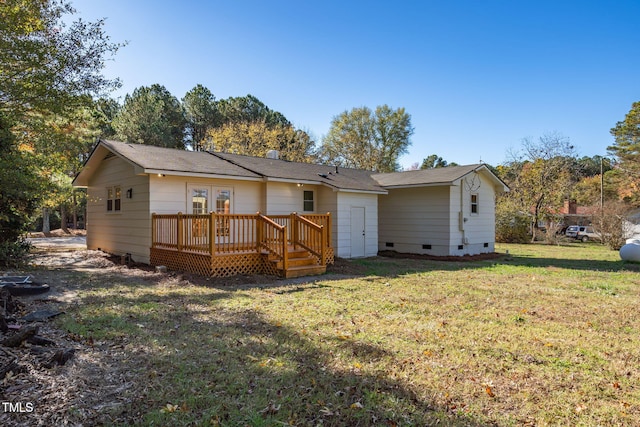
201,114
249,109
363,139
47,64
435,161
47,67
540,178
257,138
19,192
627,149
152,116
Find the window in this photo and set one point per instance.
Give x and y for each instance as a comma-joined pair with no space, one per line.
199,201
474,203
113,199
307,204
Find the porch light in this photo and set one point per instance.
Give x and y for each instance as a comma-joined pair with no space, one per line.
300,185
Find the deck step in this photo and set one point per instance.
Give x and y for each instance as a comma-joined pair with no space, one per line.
305,270
300,263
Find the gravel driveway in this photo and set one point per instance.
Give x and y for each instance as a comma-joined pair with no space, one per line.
60,243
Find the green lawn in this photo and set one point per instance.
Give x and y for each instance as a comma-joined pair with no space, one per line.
548,335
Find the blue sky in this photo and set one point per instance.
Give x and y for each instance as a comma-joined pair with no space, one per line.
476,76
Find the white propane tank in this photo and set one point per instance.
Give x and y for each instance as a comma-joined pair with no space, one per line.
630,252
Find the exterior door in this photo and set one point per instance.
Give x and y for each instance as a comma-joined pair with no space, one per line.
357,232
203,199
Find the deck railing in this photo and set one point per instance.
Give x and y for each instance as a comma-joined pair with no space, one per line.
221,234
272,237
309,235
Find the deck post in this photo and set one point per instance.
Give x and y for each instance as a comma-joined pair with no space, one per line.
180,232
294,228
285,251
212,234
329,230
153,230
259,231
323,244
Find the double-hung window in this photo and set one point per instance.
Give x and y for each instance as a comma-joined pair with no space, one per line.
114,195
307,203
474,204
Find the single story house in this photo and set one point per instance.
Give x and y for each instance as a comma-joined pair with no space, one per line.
225,214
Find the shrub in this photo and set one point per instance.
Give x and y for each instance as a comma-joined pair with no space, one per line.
13,254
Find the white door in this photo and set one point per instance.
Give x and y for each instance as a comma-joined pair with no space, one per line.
357,232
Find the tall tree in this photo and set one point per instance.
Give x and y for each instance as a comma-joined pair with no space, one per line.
540,177
47,66
249,109
627,149
257,138
364,139
201,114
434,161
152,116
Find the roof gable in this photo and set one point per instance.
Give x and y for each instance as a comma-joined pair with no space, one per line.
436,176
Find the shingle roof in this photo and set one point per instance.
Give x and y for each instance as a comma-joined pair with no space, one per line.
273,169
150,157
436,176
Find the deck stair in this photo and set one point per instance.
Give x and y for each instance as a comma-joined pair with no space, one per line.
300,263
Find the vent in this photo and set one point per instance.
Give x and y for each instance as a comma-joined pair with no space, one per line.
389,244
273,154
426,246
486,245
460,247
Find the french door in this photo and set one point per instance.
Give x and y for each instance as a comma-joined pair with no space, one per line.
204,199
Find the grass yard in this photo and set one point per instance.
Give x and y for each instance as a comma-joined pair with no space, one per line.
546,336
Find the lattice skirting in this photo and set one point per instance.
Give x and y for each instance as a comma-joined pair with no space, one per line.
205,265
231,265
219,265
182,261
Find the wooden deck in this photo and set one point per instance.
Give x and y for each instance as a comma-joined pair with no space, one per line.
230,244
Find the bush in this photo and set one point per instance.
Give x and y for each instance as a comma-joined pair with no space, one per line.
13,254
512,227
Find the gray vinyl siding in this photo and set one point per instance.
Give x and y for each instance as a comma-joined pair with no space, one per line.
412,217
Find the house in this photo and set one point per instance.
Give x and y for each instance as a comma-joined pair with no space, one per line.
444,211
225,214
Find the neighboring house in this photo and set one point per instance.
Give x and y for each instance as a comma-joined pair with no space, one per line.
414,211
442,211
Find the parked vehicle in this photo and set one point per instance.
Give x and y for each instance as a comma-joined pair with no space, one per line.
582,232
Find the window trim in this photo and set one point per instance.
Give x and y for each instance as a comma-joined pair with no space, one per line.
475,205
114,199
305,201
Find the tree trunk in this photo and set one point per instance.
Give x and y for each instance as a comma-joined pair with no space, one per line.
75,211
46,226
63,219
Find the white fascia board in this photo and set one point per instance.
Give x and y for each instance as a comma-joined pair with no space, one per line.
198,175
290,181
348,190
434,184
